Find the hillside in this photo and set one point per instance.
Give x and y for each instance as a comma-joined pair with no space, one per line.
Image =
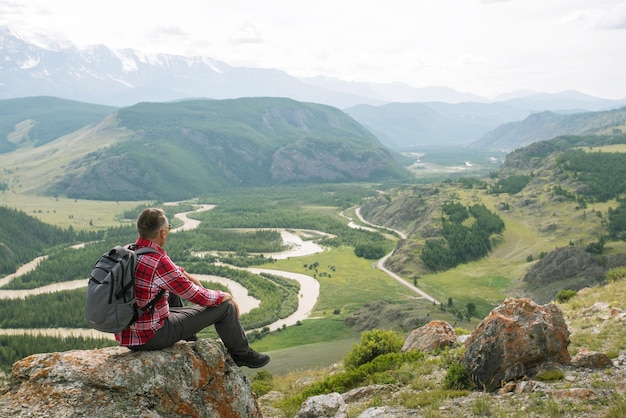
35,121
172,151
23,238
421,388
546,125
551,195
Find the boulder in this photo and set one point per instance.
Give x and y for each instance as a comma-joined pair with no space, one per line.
591,359
432,336
189,379
513,340
327,406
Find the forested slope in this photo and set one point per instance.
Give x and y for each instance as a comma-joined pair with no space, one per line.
544,126
565,192
23,237
186,149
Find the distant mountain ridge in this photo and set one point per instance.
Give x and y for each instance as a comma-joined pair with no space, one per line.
126,77
179,150
547,125
411,126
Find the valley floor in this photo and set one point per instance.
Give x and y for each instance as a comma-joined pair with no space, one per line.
309,286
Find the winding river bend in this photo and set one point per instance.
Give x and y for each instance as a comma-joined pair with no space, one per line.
309,286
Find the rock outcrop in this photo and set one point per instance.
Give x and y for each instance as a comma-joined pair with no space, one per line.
431,337
591,359
189,379
513,340
568,268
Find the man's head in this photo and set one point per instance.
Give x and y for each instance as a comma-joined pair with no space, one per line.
152,224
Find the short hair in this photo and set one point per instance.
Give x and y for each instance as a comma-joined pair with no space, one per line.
150,221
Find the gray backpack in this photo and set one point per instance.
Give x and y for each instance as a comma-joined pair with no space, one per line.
111,304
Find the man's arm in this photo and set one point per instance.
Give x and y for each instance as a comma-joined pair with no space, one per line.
227,296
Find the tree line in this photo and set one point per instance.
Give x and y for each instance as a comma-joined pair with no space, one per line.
604,173
617,221
24,237
512,184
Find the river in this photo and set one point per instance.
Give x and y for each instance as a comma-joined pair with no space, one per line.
297,247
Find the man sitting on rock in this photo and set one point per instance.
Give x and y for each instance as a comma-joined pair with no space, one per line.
165,325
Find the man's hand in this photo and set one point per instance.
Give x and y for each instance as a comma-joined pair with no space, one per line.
229,298
192,279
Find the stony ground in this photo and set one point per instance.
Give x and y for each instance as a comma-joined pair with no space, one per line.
579,392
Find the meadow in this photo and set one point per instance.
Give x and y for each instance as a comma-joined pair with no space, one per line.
80,214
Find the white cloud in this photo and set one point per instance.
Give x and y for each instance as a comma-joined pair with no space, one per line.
599,18
247,34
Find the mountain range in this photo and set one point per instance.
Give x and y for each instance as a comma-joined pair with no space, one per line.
402,117
125,77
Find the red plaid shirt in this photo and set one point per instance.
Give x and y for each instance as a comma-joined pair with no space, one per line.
156,271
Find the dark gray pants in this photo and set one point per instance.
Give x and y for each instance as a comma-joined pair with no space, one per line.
185,322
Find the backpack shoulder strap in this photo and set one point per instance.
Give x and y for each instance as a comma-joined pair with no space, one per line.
145,250
152,304
142,250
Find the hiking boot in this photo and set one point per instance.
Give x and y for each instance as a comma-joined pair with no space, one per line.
252,360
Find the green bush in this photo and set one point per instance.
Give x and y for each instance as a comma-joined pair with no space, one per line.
373,344
262,383
565,295
380,370
457,377
616,273
552,375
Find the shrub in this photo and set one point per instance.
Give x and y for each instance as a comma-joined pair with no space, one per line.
552,375
262,383
616,273
373,344
457,377
565,295
380,370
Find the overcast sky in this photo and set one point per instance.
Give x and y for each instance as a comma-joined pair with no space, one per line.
486,47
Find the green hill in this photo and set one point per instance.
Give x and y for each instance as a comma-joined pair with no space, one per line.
35,121
553,195
171,151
